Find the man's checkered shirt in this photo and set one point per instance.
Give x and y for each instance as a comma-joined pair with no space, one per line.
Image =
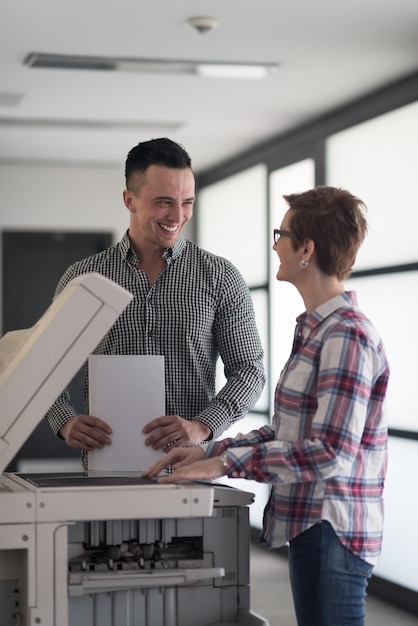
199,307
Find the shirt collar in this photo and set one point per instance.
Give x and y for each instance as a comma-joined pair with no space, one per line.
125,246
344,300
169,254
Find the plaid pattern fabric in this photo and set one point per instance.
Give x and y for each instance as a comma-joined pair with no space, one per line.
325,454
198,309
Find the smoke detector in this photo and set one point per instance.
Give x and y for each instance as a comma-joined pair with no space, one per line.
203,24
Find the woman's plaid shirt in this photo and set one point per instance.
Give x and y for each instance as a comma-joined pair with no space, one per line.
326,453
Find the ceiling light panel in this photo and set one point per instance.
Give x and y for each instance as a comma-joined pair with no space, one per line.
89,124
209,69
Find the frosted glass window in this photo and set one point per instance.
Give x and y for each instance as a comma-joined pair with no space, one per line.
285,301
260,490
399,559
259,297
232,222
391,302
377,161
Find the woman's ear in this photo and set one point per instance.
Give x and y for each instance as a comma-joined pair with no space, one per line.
306,251
308,248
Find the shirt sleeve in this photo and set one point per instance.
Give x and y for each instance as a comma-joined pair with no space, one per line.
60,412
242,445
329,417
237,338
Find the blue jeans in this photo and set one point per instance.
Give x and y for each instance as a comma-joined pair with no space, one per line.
328,581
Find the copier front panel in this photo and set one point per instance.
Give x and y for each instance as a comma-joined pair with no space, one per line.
175,569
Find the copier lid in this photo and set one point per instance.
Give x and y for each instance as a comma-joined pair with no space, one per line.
36,364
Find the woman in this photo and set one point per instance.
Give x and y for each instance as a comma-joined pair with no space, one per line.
325,454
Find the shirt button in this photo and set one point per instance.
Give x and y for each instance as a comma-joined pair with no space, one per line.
242,474
235,474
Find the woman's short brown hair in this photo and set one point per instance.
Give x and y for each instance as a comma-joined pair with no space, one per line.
335,220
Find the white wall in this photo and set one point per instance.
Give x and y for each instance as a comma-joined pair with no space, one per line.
46,197
71,198
37,197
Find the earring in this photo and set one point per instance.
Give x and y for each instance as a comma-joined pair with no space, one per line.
304,264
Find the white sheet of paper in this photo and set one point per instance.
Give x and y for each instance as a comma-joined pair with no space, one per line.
126,392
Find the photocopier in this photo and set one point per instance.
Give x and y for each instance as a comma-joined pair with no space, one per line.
97,548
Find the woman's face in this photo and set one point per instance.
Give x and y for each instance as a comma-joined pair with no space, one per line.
289,268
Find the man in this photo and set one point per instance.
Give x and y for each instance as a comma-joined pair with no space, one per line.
189,305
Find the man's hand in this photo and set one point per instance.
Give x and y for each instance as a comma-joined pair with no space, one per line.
86,432
173,430
176,458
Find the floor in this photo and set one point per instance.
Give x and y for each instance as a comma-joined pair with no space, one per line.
271,597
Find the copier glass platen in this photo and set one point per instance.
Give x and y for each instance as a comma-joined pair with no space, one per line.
106,549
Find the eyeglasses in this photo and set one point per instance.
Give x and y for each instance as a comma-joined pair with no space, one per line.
278,232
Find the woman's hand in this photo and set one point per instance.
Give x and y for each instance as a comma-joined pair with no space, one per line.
188,464
176,458
200,470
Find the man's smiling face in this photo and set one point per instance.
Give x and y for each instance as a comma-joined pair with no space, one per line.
161,204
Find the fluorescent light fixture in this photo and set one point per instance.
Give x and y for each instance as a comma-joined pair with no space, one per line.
90,124
206,69
218,70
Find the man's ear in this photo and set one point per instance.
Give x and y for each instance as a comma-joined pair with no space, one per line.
128,200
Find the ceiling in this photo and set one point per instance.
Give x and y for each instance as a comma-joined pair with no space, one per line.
329,52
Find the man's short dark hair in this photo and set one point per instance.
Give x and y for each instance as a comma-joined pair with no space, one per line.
162,151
